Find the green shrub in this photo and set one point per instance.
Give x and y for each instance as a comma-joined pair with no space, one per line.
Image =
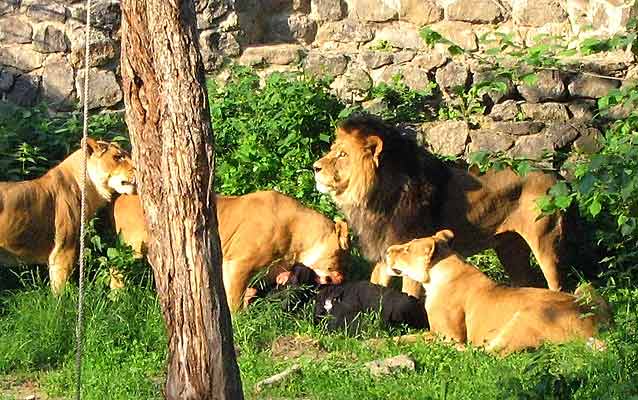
268,137
31,141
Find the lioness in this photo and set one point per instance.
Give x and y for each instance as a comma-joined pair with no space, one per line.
40,219
464,305
257,230
391,191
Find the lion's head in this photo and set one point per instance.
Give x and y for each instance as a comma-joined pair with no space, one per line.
417,257
110,168
347,172
385,183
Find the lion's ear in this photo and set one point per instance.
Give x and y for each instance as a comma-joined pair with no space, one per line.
341,228
94,146
375,145
445,235
429,250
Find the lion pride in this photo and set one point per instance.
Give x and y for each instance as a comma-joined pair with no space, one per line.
40,218
392,191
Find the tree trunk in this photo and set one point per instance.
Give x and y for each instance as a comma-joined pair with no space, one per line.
169,122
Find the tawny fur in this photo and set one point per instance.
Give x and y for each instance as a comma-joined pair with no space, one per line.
392,190
464,305
40,218
258,230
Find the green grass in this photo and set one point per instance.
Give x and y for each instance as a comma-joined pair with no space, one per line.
124,353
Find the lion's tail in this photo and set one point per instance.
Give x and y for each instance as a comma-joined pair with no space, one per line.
587,296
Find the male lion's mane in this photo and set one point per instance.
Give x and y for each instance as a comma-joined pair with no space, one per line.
408,189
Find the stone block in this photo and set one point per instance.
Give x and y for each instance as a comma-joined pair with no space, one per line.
538,12
44,10
545,111
451,76
14,30
373,10
459,33
278,54
320,64
532,147
104,88
420,12
402,35
592,87
58,83
475,11
291,28
346,31
353,85
21,57
327,10
25,90
49,39
489,141
447,138
101,48
518,128
549,86
375,59
505,111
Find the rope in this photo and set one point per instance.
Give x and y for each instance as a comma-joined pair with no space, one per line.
85,128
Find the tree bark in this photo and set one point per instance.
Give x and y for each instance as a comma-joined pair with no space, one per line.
169,123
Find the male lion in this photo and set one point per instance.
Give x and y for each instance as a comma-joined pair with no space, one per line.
40,218
392,191
261,230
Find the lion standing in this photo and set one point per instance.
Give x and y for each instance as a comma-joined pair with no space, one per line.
392,191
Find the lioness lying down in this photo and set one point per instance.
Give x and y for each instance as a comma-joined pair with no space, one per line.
258,230
464,305
40,219
392,190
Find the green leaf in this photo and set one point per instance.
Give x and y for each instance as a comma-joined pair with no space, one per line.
559,189
455,50
595,207
544,203
431,37
627,229
530,79
523,168
563,202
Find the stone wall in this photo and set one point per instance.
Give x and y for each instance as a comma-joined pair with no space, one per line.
42,48
359,42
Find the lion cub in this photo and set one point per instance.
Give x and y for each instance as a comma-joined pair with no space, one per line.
464,305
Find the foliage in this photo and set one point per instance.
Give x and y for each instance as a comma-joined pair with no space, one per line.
31,141
485,161
606,185
518,62
467,104
403,103
268,137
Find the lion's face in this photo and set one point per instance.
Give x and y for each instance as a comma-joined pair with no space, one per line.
348,170
411,259
110,168
328,257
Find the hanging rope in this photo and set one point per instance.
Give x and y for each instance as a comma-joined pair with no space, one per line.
85,128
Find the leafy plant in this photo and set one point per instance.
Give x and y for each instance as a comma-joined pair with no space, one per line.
403,103
484,161
467,105
268,137
31,141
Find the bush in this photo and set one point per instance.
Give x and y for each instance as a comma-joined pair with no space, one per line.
268,137
31,141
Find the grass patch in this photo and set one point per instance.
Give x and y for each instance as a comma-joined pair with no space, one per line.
124,353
